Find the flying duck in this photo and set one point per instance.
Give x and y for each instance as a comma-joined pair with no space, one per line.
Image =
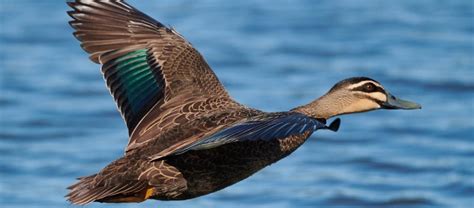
187,136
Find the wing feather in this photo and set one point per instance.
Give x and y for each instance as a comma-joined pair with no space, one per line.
266,127
145,64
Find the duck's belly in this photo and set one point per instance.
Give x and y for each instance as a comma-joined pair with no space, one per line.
207,171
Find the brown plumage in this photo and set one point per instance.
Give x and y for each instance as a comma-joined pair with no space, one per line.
187,137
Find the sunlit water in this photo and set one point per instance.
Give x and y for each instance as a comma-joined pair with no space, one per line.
58,121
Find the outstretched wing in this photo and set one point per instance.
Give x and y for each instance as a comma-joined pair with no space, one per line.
266,127
145,64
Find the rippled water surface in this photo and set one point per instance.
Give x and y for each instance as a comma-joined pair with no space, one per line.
58,121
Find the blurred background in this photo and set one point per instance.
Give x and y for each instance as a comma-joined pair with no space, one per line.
58,121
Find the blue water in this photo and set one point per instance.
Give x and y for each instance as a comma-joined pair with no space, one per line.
58,121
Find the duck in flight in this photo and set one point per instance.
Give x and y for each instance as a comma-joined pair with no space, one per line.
187,136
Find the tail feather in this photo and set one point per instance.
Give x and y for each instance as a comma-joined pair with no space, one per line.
81,191
86,190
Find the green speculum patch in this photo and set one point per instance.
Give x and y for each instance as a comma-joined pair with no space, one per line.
137,79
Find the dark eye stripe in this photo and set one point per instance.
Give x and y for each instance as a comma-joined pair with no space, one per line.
363,89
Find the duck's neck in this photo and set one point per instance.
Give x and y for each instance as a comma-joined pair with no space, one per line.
325,107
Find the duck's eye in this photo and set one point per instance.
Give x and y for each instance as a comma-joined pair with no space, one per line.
369,87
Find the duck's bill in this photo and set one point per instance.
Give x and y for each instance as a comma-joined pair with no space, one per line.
397,103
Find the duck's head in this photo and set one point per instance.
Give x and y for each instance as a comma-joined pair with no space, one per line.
354,95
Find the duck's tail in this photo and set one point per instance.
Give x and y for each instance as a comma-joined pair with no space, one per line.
112,184
80,192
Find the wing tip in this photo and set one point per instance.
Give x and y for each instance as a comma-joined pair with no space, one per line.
334,126
71,4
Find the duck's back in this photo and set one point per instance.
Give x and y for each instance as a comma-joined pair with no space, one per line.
187,129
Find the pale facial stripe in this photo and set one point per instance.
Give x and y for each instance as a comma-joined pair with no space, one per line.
378,96
375,96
